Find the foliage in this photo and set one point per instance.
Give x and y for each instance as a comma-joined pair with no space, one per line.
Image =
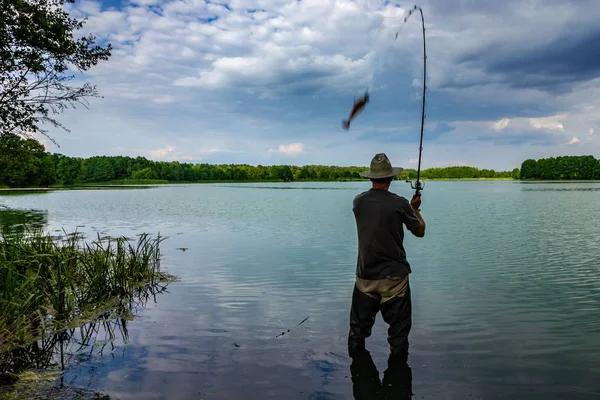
47,285
516,173
63,170
24,162
456,172
37,48
561,168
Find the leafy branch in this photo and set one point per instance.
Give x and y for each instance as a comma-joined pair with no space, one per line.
37,49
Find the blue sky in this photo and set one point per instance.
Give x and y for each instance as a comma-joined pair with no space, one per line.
269,81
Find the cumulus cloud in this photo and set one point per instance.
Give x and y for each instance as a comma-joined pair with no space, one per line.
501,124
161,153
292,149
175,153
574,140
272,47
591,132
551,123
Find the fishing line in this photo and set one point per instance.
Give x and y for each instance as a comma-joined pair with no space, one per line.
360,104
418,186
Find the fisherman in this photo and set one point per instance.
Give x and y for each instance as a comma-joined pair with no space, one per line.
382,269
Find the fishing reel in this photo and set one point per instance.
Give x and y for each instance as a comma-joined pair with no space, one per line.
418,185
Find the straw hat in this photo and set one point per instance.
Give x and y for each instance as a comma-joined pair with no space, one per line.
381,167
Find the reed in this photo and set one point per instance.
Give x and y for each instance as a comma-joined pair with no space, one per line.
48,284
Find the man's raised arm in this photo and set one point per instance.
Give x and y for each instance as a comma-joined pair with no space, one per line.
414,221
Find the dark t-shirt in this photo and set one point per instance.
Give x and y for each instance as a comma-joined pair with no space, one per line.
379,217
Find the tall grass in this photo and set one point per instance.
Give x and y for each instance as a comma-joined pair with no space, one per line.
48,285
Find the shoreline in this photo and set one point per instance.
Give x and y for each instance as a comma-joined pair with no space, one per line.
141,184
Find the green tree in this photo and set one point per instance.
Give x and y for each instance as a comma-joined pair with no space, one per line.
516,173
67,170
146,173
22,162
37,48
47,172
529,169
561,168
96,169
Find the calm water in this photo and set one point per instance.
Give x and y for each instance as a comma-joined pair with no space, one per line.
506,290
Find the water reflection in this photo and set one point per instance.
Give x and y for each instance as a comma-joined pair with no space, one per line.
14,221
286,187
366,385
557,189
68,348
50,351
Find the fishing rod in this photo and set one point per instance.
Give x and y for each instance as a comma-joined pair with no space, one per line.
418,185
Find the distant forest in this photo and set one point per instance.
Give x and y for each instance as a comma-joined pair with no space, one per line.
25,163
561,168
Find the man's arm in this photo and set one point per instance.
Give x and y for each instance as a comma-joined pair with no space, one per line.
419,231
414,221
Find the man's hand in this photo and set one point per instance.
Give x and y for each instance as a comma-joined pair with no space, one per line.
415,202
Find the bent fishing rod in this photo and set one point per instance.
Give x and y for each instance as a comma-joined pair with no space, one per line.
361,103
418,186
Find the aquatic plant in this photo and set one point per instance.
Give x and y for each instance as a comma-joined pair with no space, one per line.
49,284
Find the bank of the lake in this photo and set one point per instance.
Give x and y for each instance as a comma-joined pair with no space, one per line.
130,183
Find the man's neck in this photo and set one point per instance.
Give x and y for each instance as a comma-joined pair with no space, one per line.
381,186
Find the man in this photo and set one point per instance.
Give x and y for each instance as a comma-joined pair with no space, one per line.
382,268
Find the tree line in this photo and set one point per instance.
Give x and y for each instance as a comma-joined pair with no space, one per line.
464,172
561,168
25,163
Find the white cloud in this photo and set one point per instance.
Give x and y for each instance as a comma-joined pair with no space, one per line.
292,149
164,99
173,153
501,124
591,132
456,163
282,49
550,123
574,140
161,153
145,2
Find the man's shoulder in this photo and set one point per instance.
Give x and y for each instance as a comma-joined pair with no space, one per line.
381,194
398,198
401,199
361,195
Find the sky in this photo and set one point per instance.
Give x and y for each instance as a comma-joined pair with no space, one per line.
269,81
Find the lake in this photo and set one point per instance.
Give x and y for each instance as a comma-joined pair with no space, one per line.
505,286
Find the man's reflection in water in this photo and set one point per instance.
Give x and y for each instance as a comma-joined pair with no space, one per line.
397,378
